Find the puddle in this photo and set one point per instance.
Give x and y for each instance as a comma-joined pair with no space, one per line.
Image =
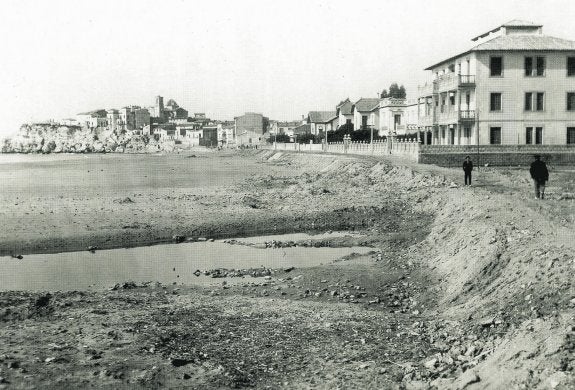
294,237
163,263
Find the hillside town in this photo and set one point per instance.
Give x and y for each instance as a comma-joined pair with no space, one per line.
513,88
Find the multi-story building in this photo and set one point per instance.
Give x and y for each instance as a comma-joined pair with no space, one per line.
113,117
93,119
515,86
250,127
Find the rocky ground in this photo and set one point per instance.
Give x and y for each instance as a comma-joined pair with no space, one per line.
473,288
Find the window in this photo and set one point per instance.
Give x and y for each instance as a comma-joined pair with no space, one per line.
534,66
495,101
571,135
496,66
452,68
467,132
570,66
529,135
452,98
495,135
363,121
443,97
534,101
348,121
570,101
539,135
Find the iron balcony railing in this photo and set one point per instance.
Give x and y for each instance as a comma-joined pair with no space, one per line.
466,79
467,114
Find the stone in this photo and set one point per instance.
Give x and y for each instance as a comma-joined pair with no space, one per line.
487,321
430,364
467,378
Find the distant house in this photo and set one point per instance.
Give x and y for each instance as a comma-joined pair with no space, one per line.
93,119
397,116
209,136
300,130
321,121
277,127
69,122
250,127
165,132
226,134
344,112
174,113
365,113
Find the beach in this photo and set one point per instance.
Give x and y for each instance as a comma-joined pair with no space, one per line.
464,287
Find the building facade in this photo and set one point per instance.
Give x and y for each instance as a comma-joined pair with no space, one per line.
397,116
250,127
516,86
322,121
366,113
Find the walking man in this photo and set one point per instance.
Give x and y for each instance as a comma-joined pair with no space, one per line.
540,175
467,168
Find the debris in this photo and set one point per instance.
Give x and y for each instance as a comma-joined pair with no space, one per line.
179,239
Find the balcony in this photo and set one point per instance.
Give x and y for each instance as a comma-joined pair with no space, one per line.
452,81
467,115
466,80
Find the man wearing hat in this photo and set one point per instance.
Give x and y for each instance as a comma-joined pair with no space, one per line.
540,175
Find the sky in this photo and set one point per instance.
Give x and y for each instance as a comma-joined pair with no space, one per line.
224,58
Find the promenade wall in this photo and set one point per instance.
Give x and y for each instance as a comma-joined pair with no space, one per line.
443,155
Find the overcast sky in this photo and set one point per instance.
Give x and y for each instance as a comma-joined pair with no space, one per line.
223,58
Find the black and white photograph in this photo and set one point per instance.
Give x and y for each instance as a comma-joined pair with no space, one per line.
290,194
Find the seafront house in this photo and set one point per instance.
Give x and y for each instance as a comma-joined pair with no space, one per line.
397,116
366,113
344,113
321,121
515,86
250,128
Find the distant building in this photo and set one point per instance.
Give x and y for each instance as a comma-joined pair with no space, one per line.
113,117
344,112
174,113
397,116
250,127
141,118
93,119
283,127
321,121
209,136
159,107
365,113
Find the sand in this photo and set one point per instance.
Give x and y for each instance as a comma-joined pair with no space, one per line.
474,288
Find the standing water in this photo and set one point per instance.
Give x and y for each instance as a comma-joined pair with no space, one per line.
162,263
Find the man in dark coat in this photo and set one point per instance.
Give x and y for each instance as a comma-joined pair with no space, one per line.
467,168
540,175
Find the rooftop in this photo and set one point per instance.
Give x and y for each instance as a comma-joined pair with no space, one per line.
516,35
321,116
366,104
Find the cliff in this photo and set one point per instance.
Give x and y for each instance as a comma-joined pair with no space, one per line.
50,138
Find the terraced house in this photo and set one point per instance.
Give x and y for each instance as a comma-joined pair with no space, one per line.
516,86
